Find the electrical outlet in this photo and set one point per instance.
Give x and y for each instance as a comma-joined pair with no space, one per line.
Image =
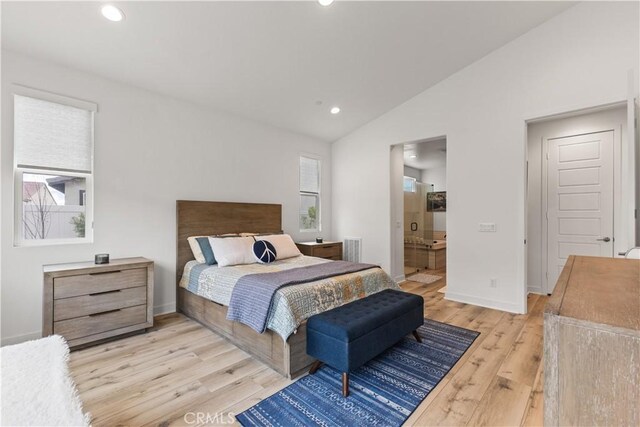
493,283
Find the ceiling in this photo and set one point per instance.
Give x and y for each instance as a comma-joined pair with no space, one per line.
282,63
429,154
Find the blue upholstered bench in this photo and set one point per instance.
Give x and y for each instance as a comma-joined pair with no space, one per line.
347,337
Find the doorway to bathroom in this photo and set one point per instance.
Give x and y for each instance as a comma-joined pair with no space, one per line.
425,207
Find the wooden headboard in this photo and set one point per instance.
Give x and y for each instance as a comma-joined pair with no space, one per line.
195,218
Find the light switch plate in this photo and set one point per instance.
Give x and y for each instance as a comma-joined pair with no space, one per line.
487,227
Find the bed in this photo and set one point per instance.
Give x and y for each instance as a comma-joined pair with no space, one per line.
203,292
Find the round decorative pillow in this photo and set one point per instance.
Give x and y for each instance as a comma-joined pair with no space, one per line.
264,251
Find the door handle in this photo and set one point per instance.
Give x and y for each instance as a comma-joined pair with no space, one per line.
604,239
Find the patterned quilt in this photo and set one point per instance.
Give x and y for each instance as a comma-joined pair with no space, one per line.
293,304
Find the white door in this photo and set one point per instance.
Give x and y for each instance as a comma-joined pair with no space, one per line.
579,199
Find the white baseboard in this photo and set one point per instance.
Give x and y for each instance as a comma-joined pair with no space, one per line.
17,339
536,290
483,302
400,279
164,309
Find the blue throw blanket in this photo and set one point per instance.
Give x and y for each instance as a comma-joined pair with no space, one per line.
252,296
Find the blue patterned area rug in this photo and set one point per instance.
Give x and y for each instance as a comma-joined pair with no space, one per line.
383,392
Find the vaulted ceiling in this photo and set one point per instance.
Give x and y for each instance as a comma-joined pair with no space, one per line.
282,63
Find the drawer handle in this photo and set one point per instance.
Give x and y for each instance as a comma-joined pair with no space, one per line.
105,292
104,312
105,272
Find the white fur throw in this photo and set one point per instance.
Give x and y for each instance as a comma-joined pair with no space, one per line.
37,389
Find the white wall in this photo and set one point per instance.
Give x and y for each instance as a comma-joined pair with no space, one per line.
412,172
397,209
615,119
437,177
576,60
149,151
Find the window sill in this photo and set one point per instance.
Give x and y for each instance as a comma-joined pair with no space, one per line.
51,242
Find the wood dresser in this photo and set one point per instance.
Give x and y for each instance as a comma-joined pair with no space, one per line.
86,303
592,344
328,250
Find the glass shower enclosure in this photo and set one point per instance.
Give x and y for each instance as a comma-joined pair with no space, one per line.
418,227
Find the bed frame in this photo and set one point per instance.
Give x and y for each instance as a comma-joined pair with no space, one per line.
194,218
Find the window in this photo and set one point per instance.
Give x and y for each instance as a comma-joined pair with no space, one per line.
53,168
409,184
309,194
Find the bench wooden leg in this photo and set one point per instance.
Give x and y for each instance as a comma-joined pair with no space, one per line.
345,384
417,337
315,366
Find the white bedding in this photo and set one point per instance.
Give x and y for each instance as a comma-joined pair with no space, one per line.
37,389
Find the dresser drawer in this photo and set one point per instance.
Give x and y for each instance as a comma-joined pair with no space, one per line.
72,286
327,251
68,308
100,322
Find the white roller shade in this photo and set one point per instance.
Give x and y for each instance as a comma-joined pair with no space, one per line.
309,175
54,136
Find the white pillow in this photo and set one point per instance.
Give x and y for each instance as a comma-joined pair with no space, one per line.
195,248
232,250
285,247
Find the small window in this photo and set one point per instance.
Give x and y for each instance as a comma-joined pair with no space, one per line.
409,184
309,194
53,159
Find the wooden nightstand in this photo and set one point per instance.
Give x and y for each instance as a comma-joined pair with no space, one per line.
328,250
85,302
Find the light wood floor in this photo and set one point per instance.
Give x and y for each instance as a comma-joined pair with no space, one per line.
179,368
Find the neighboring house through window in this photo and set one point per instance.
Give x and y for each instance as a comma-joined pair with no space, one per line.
309,194
53,168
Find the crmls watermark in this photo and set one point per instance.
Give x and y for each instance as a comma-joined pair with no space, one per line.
216,418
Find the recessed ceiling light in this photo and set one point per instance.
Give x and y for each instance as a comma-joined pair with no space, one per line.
112,13
335,110
325,2
413,156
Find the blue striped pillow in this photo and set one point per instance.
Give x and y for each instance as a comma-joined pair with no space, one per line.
264,251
